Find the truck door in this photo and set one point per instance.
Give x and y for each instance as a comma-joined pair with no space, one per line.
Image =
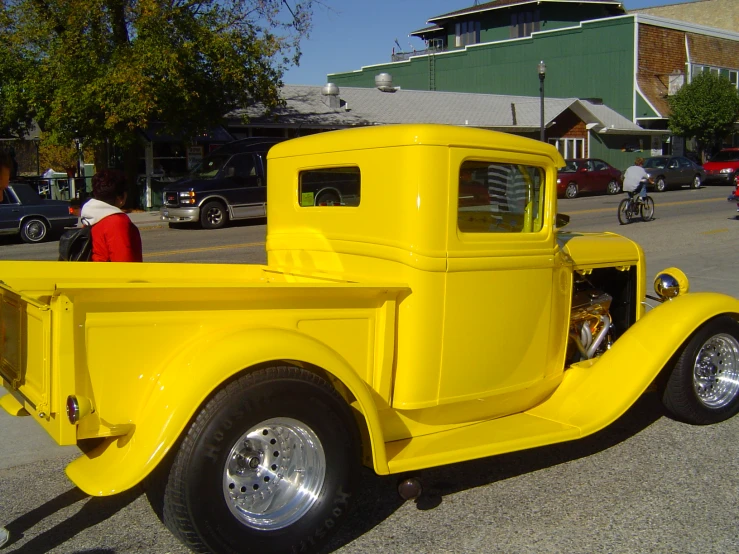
246,191
500,276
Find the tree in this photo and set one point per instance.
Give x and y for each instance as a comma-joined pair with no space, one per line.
707,108
103,69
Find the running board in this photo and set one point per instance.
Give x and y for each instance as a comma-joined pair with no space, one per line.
488,438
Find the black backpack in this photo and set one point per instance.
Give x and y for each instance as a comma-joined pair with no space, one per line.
75,245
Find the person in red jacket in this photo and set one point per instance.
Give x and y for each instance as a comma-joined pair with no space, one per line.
114,237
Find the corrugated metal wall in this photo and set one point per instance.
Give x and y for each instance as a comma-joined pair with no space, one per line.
575,59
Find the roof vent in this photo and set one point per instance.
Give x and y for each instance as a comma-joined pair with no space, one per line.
384,82
332,91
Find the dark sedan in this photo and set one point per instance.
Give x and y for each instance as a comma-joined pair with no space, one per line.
587,175
673,172
24,212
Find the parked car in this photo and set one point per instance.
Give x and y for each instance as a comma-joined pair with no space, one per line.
229,184
723,167
23,211
587,175
673,172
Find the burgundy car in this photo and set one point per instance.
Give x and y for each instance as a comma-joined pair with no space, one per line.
587,175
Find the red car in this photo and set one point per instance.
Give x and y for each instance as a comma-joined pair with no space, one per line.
723,167
587,175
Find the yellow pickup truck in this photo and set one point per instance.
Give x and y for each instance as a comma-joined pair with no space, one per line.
433,311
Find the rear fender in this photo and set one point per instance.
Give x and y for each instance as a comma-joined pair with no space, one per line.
596,392
187,382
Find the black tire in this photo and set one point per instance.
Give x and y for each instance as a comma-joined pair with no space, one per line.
571,191
614,187
703,387
624,214
216,461
34,229
696,182
647,209
328,198
213,215
660,185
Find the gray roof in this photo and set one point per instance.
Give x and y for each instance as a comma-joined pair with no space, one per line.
307,106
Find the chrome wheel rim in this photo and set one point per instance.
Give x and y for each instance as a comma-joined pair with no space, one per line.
274,474
35,230
716,371
697,182
613,187
214,216
571,191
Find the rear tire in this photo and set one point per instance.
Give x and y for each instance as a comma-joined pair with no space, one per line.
571,191
33,230
704,385
696,182
213,215
624,214
647,209
269,462
614,187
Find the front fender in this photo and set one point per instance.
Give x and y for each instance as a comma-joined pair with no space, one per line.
181,388
595,393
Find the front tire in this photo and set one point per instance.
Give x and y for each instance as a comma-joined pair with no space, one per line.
704,385
647,209
213,215
571,191
34,229
269,463
660,185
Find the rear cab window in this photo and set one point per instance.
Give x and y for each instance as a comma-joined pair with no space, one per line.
330,186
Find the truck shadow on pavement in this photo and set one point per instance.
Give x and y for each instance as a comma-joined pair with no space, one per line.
378,497
95,510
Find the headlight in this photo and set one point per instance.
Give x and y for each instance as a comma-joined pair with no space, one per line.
559,181
187,197
726,170
671,283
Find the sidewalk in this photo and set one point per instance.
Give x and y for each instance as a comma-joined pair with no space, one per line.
147,219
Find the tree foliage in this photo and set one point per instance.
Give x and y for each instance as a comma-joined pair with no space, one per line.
101,69
707,108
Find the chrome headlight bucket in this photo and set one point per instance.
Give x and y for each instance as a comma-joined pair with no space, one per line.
671,283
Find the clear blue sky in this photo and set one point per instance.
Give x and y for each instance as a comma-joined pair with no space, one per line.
348,34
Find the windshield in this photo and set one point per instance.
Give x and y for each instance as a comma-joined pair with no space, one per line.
726,156
655,163
210,166
571,167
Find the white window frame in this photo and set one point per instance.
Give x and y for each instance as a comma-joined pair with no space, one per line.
569,147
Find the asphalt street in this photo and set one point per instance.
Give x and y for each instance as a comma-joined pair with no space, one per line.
645,484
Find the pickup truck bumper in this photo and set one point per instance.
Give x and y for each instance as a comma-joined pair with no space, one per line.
180,214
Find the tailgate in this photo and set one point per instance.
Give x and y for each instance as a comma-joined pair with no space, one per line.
25,347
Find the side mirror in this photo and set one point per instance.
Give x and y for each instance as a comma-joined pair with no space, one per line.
561,220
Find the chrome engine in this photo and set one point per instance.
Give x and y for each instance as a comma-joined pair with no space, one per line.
590,323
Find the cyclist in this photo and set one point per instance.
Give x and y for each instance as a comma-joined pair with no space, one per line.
636,178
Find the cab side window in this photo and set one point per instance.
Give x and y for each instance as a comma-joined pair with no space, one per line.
500,198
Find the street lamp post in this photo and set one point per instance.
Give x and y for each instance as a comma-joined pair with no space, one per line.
542,73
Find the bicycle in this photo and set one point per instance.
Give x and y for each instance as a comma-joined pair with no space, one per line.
634,206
